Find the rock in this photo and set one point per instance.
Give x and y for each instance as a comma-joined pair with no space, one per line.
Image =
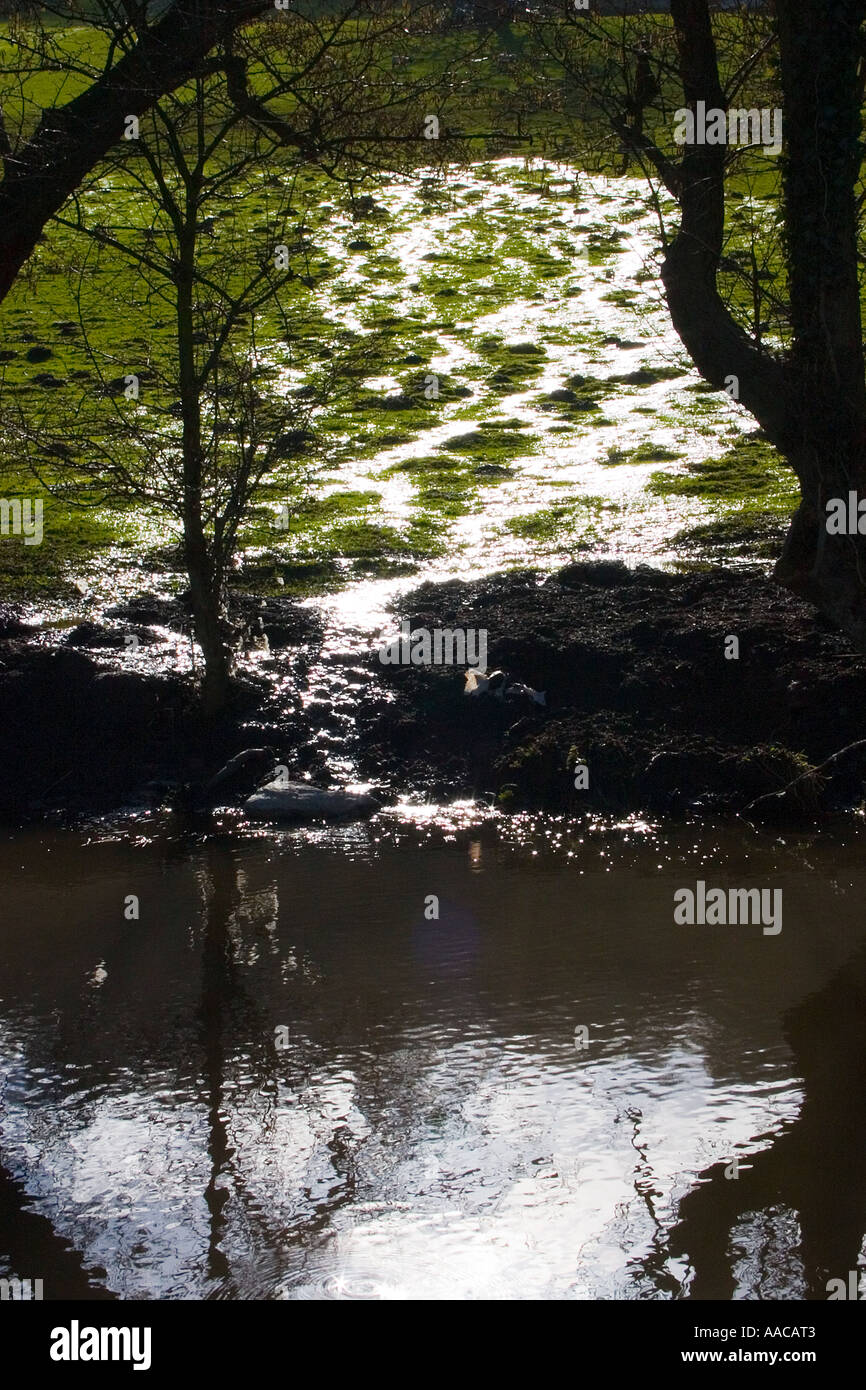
39,354
240,773
359,244
301,801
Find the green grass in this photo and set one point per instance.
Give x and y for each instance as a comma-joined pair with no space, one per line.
751,534
486,261
750,474
572,526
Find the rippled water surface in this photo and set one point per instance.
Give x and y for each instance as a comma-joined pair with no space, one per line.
287,1078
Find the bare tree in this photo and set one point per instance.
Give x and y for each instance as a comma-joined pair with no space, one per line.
212,422
149,50
195,431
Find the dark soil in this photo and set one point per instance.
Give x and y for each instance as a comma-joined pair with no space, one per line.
638,689
79,734
638,686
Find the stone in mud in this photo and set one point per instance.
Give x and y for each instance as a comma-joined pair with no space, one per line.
301,801
240,773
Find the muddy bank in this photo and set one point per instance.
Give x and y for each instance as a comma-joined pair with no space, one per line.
639,691
648,708
84,730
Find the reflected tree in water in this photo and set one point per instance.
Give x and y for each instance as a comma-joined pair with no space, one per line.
816,1166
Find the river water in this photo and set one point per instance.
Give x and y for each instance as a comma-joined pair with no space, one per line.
289,1078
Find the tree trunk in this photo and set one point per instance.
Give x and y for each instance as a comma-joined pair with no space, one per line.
715,342
812,403
820,47
210,628
203,559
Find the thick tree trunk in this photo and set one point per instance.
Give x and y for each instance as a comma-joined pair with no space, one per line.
715,342
820,47
812,403
71,140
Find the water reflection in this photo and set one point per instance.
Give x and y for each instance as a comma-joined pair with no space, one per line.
811,1177
431,1123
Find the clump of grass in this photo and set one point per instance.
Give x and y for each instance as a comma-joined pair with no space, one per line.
751,470
569,526
644,453
745,535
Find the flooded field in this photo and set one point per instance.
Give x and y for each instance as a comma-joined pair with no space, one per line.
537,408
286,1079
538,405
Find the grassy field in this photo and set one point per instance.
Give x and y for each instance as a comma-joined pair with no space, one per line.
389,490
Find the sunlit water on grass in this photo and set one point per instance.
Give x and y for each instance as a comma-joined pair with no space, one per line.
512,254
571,275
